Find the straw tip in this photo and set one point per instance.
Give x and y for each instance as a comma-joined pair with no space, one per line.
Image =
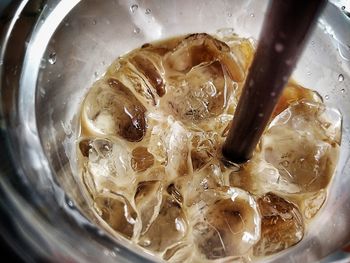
231,156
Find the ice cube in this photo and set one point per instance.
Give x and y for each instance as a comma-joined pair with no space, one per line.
303,143
209,177
130,76
259,177
281,225
95,153
201,94
141,159
169,227
145,65
117,212
177,145
228,224
320,119
142,70
242,50
199,48
293,93
106,165
169,144
148,199
110,108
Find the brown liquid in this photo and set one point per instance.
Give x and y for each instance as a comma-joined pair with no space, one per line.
150,152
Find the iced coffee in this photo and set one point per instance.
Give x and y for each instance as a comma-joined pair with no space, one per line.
150,156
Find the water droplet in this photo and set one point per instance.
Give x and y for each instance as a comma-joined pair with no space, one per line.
137,30
252,15
52,58
326,97
133,8
229,14
343,7
95,74
70,203
148,11
341,77
342,90
94,22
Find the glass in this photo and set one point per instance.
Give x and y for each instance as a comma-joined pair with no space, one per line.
52,51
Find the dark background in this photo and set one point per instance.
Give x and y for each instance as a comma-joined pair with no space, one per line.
7,253
7,231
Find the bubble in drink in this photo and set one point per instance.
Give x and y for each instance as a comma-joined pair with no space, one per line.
150,157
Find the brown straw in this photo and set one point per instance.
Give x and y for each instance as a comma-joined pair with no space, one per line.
283,36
